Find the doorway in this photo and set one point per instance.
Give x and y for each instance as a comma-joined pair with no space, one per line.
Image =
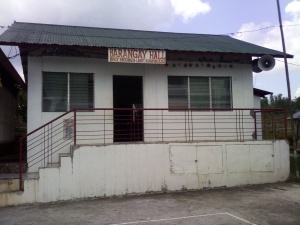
128,98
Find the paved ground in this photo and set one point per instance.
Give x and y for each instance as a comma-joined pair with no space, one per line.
259,204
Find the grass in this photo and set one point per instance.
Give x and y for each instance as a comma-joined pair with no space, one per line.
292,167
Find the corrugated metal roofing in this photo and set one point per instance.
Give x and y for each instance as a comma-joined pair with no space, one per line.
261,93
45,34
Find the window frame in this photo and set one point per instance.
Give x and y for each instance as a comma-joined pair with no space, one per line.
68,87
210,92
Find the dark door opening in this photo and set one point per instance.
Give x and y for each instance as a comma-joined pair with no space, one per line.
128,94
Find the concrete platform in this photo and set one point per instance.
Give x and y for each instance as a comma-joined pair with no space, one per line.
259,204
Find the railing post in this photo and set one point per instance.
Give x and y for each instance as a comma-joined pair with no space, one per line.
255,126
192,125
285,125
20,165
75,141
104,124
273,125
215,129
162,125
188,123
243,130
44,142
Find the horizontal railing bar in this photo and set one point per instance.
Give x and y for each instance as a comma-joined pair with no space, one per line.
48,123
156,125
51,154
47,146
45,140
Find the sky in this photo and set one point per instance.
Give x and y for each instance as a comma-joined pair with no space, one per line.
254,21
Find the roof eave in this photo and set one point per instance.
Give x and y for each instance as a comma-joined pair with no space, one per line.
98,47
261,93
11,70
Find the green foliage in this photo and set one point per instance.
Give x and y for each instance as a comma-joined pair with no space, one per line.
264,103
278,101
21,114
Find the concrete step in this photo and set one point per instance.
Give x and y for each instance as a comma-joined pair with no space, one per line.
10,182
11,167
10,198
53,165
31,176
57,164
65,155
7,185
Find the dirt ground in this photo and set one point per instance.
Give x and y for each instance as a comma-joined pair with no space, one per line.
259,204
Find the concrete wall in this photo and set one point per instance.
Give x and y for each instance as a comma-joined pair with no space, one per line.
256,100
7,115
112,170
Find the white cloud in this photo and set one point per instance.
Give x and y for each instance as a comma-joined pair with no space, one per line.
271,38
133,14
293,9
297,94
188,9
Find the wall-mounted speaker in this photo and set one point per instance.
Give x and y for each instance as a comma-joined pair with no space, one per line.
265,63
255,67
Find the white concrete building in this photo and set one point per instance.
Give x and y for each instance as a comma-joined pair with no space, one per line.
149,111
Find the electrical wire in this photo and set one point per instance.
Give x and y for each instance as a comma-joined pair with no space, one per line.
294,64
264,28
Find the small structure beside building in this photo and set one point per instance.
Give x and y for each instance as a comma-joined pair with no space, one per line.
10,84
258,94
148,111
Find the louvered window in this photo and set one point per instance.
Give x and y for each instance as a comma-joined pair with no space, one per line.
199,92
65,91
178,92
221,92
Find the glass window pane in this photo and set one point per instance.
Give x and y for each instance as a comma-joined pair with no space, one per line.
81,90
55,92
178,92
199,92
221,92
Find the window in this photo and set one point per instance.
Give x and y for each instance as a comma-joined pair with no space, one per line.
65,91
199,92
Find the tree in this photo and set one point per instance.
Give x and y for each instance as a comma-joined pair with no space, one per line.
276,101
21,114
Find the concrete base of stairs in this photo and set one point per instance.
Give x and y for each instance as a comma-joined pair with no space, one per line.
10,193
130,169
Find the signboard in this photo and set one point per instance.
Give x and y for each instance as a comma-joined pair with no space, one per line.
136,56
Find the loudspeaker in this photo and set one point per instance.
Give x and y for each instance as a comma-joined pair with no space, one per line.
266,62
255,67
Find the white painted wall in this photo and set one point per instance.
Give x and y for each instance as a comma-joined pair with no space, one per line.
154,81
155,88
256,100
113,170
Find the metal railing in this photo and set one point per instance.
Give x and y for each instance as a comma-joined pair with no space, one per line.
43,146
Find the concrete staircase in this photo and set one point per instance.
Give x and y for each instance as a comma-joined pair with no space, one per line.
10,186
10,193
